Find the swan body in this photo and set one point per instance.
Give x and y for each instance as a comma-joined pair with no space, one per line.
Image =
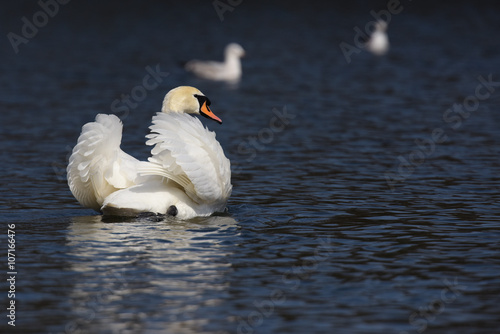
378,44
186,176
229,70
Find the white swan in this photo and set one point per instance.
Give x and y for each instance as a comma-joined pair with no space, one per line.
378,44
187,175
229,70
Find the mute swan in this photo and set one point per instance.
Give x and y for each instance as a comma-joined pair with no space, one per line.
229,70
378,44
187,174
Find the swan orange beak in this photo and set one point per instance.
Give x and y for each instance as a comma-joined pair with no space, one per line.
205,111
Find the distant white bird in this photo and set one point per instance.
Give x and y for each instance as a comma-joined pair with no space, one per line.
187,174
229,70
378,44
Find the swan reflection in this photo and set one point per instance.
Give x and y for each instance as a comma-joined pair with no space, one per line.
144,274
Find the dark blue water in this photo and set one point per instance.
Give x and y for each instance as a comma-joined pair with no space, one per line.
372,206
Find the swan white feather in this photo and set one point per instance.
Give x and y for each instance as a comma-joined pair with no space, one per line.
97,166
187,168
187,153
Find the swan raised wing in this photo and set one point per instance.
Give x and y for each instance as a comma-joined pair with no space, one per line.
187,153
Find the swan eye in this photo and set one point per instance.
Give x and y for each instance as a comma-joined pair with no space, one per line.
202,99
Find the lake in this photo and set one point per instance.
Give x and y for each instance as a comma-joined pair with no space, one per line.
366,188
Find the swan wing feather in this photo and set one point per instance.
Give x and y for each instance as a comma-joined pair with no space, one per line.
187,153
97,166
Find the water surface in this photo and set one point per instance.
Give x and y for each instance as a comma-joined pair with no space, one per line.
315,240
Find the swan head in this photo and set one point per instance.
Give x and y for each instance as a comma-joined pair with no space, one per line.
190,100
234,50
